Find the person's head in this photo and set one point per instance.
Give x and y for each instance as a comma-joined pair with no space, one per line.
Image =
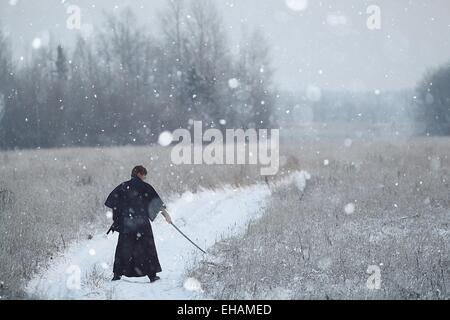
139,172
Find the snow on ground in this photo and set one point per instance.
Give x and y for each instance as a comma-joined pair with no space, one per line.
84,271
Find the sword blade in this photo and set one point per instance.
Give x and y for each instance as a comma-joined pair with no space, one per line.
187,238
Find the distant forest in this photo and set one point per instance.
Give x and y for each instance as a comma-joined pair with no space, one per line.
125,85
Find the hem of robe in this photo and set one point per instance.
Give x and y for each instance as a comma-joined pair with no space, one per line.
128,248
128,275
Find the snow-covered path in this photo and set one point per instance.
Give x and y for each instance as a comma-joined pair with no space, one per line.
84,271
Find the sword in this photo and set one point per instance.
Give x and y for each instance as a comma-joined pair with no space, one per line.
110,229
187,238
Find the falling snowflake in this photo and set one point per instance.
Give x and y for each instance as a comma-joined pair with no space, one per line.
349,208
297,5
37,43
109,214
326,162
192,284
92,252
233,83
223,122
165,138
13,2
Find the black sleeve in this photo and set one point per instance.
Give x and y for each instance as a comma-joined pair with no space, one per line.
155,202
116,215
113,199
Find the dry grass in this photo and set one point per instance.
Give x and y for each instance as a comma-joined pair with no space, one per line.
306,246
49,198
95,279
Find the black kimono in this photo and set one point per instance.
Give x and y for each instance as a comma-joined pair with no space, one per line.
134,204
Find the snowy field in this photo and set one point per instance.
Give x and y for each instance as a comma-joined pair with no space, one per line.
341,116
372,223
207,216
52,198
377,203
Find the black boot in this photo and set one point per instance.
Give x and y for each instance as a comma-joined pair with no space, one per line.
153,278
116,277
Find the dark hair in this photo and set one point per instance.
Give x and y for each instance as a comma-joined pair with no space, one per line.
138,169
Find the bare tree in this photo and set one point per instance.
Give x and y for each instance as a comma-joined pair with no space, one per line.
175,65
6,78
433,101
132,61
207,54
256,93
123,86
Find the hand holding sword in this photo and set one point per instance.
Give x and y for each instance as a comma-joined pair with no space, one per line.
166,215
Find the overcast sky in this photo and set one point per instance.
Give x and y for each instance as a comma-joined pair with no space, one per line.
323,43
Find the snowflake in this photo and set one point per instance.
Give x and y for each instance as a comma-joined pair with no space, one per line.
233,83
192,284
37,43
165,138
349,208
297,5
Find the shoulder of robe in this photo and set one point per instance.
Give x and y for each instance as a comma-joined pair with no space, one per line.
148,186
149,190
117,189
126,184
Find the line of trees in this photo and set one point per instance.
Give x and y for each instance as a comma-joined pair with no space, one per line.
343,106
433,102
124,85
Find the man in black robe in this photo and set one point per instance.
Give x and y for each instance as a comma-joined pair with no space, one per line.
134,204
